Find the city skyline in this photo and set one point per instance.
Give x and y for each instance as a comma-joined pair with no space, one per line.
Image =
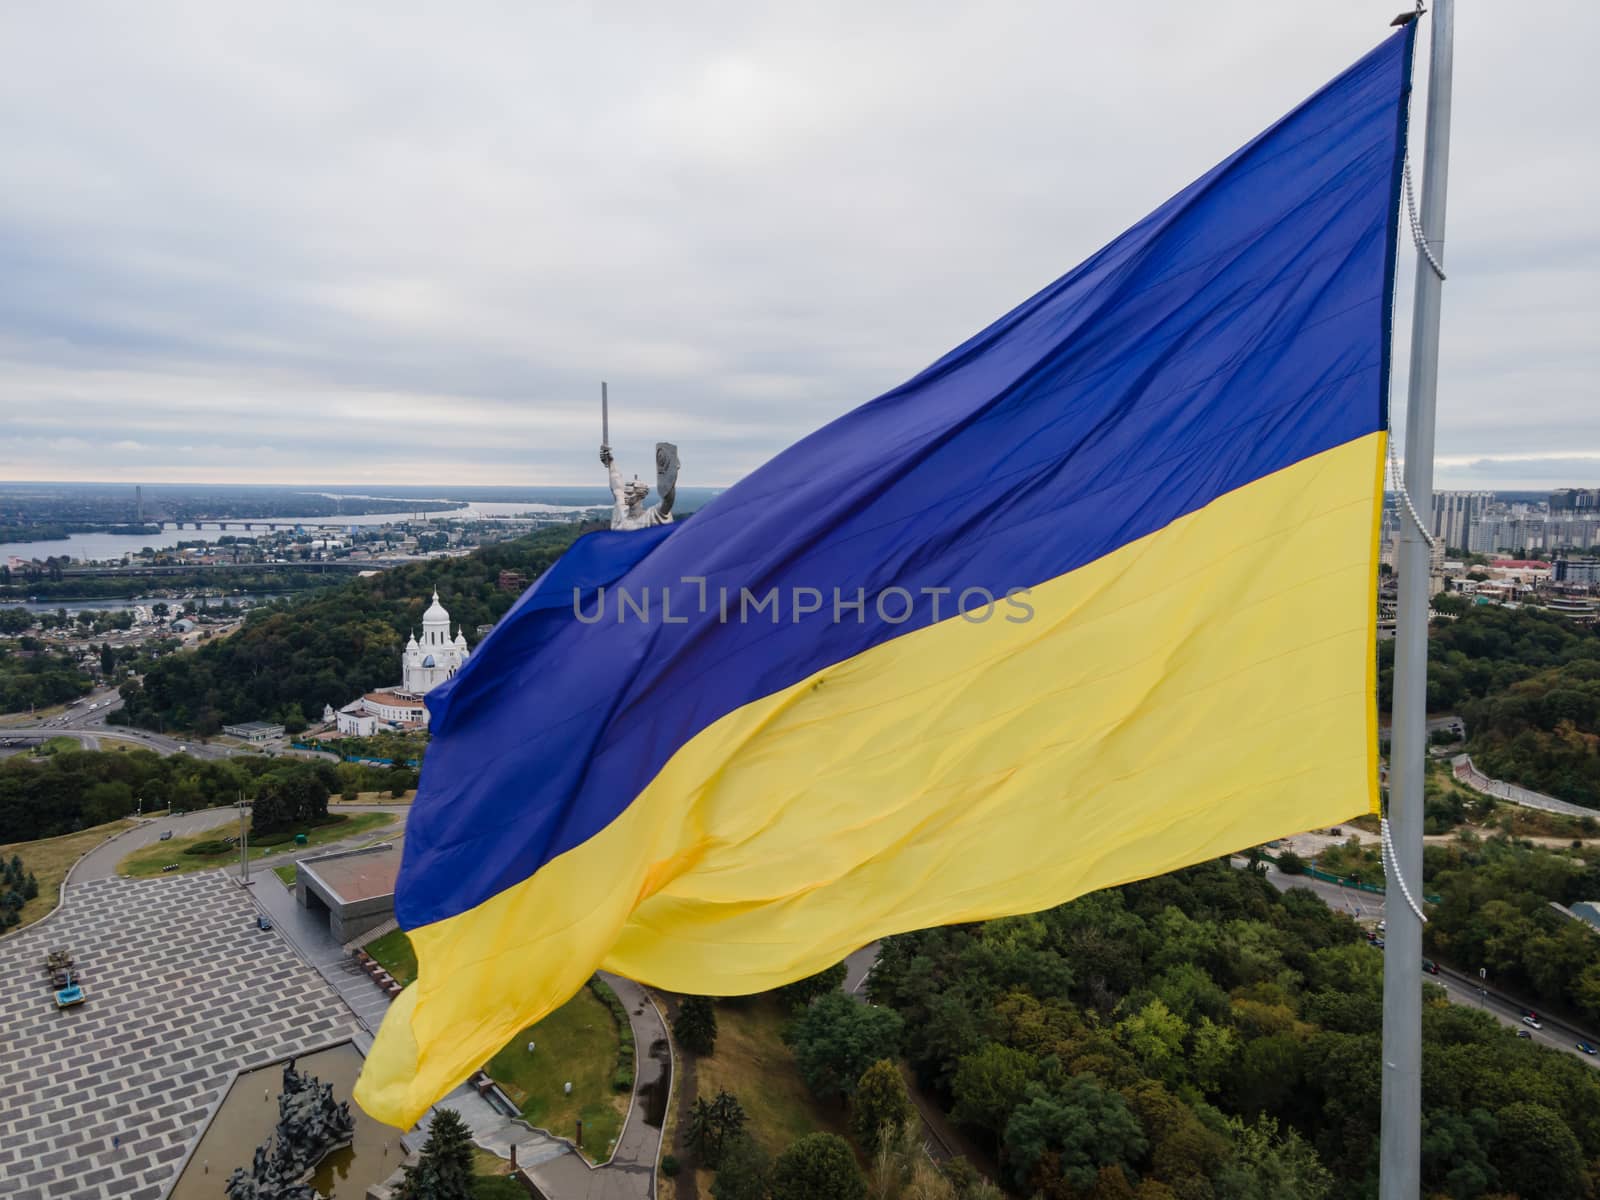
279,249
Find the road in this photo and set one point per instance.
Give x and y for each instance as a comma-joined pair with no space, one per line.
85,720
101,862
1462,989
1363,906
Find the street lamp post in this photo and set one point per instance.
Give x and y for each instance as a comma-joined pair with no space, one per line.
244,843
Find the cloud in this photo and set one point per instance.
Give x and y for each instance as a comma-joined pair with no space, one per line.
299,244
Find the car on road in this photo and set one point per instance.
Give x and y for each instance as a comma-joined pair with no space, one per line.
1587,1049
166,836
263,923
1431,967
1532,1022
1523,1033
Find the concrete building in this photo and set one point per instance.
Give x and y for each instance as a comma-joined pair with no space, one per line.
254,731
1455,512
1575,500
354,887
1582,572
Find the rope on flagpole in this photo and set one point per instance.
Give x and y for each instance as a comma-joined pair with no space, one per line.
1391,866
1405,496
1415,222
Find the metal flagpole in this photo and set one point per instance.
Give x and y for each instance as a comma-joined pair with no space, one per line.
1400,1160
605,416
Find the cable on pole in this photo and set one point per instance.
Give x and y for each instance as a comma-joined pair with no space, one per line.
1405,497
1415,222
1391,867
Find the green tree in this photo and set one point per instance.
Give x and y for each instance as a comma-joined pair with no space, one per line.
989,1085
696,1025
745,1172
714,1124
1537,1152
1268,1165
444,1169
819,1166
1155,1035
802,992
881,1107
836,1040
1071,1133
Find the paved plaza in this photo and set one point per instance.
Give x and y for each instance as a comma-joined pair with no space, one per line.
184,990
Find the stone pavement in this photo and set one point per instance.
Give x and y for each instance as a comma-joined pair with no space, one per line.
184,990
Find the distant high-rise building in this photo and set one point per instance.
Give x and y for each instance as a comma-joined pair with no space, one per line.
1576,570
1454,514
1575,500
138,504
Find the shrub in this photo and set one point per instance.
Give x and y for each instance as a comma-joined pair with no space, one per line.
622,1079
1291,863
669,1165
211,847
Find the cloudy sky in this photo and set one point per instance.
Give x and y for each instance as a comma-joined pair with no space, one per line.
310,242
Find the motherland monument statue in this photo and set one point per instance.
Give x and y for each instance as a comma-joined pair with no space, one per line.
628,511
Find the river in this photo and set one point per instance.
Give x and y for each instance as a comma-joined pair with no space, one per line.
98,547
116,605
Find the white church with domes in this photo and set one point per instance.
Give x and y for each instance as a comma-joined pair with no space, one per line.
426,663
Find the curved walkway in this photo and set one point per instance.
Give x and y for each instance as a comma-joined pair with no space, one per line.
630,1174
101,862
1462,768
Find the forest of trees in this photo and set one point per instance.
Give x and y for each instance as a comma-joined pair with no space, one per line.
38,677
293,657
1201,1036
1527,682
67,790
1495,912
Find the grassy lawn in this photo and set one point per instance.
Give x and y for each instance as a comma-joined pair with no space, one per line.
50,859
394,954
286,874
150,859
486,1164
577,1043
374,798
752,1062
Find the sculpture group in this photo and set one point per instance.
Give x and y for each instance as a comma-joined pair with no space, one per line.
311,1124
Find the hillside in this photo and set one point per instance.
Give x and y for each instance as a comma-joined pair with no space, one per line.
1528,685
296,656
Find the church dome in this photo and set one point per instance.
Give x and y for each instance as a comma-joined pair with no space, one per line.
436,614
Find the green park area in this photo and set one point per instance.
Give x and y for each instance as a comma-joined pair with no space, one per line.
579,1043
753,1063
393,952
49,860
218,847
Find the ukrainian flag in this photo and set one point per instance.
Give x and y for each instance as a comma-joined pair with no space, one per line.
1089,599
